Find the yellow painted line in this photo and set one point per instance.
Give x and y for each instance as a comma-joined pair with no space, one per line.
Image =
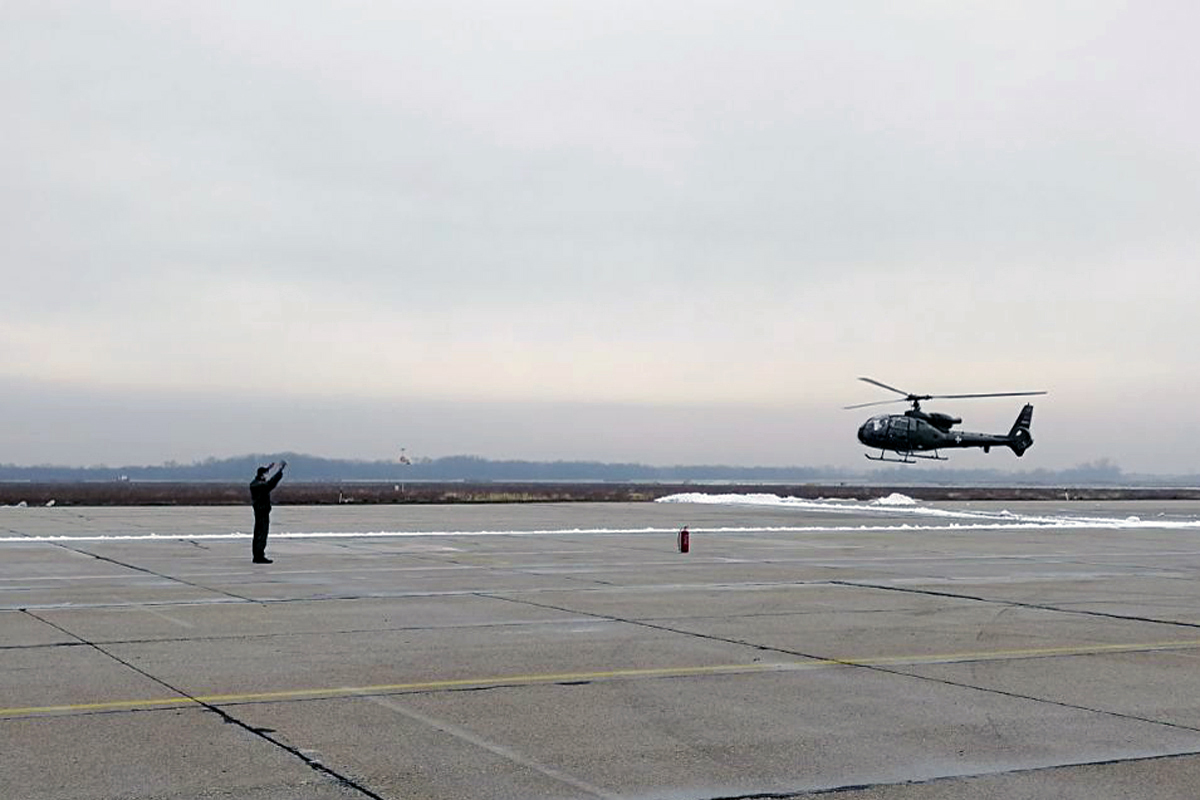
297,694
616,674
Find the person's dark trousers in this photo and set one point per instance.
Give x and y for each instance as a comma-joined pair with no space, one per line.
262,521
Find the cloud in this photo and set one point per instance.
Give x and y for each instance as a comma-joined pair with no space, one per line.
643,205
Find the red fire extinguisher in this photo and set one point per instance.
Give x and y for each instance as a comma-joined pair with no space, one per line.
683,540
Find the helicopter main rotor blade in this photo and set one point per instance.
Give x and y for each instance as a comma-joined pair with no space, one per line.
884,386
990,394
878,403
917,398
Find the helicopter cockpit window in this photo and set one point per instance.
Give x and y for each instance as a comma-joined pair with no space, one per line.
878,423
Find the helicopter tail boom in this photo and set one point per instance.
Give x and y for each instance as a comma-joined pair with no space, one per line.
1019,438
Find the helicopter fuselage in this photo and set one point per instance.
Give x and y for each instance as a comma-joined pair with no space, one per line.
919,431
920,434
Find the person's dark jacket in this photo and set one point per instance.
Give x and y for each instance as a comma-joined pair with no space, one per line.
260,490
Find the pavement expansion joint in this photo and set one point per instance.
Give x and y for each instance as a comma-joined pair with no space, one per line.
833,791
877,665
1016,603
261,733
147,571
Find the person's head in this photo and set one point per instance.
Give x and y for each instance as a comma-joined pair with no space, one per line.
261,471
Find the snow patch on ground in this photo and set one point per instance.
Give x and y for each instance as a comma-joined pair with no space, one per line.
894,499
897,504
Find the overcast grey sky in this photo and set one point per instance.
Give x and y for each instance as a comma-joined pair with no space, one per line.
668,232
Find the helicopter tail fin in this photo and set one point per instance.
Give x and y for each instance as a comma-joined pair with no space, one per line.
1019,438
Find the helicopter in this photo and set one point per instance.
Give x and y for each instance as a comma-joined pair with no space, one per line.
918,434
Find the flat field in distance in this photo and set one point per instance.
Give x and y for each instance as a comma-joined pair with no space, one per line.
154,493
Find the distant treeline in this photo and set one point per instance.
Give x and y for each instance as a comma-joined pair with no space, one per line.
472,468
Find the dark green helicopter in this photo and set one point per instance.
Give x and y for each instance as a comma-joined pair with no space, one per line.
921,434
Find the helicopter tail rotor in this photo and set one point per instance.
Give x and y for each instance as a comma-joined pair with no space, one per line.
1020,439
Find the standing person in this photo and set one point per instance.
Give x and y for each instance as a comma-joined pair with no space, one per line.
260,498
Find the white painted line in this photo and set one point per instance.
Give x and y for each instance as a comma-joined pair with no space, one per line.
504,752
1063,525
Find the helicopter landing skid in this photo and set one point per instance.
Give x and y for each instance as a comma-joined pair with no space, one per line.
908,458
